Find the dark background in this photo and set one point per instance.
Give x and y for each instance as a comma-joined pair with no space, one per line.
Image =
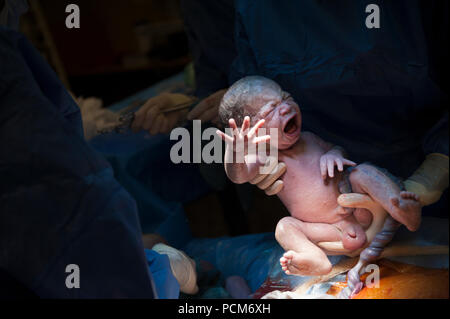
120,48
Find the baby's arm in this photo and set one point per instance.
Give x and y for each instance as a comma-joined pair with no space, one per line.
334,156
240,165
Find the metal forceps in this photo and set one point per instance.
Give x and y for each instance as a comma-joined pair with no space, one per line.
128,114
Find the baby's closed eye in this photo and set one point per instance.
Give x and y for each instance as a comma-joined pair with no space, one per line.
268,108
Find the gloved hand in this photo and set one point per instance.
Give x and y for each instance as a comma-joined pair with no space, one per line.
94,116
430,180
270,182
208,108
183,267
150,118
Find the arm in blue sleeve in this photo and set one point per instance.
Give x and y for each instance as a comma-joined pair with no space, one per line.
60,203
212,47
436,140
245,62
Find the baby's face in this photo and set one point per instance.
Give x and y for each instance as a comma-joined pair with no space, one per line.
280,111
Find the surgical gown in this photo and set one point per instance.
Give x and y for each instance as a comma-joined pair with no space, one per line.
381,93
59,202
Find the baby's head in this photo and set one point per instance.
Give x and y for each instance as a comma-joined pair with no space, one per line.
262,98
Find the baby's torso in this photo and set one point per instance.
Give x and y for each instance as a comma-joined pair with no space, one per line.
305,194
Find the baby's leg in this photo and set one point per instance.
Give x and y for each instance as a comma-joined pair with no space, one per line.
302,256
403,206
346,230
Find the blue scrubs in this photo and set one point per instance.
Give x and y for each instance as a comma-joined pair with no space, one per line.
166,285
209,26
59,201
379,93
142,163
372,91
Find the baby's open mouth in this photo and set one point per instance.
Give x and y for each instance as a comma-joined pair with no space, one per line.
291,125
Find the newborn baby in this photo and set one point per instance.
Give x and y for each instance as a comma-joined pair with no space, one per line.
311,185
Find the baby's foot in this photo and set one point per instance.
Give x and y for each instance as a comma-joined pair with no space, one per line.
304,264
407,209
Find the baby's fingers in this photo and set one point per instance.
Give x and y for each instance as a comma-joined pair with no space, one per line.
225,137
348,162
245,125
261,139
233,125
255,128
339,164
323,168
330,165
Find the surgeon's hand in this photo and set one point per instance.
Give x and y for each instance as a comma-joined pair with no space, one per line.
428,182
270,183
431,179
208,108
150,118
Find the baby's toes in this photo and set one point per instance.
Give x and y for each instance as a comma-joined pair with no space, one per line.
289,255
285,261
409,195
287,258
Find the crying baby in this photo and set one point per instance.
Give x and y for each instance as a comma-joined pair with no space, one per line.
317,173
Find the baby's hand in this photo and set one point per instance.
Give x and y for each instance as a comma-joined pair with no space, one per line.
330,159
243,137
